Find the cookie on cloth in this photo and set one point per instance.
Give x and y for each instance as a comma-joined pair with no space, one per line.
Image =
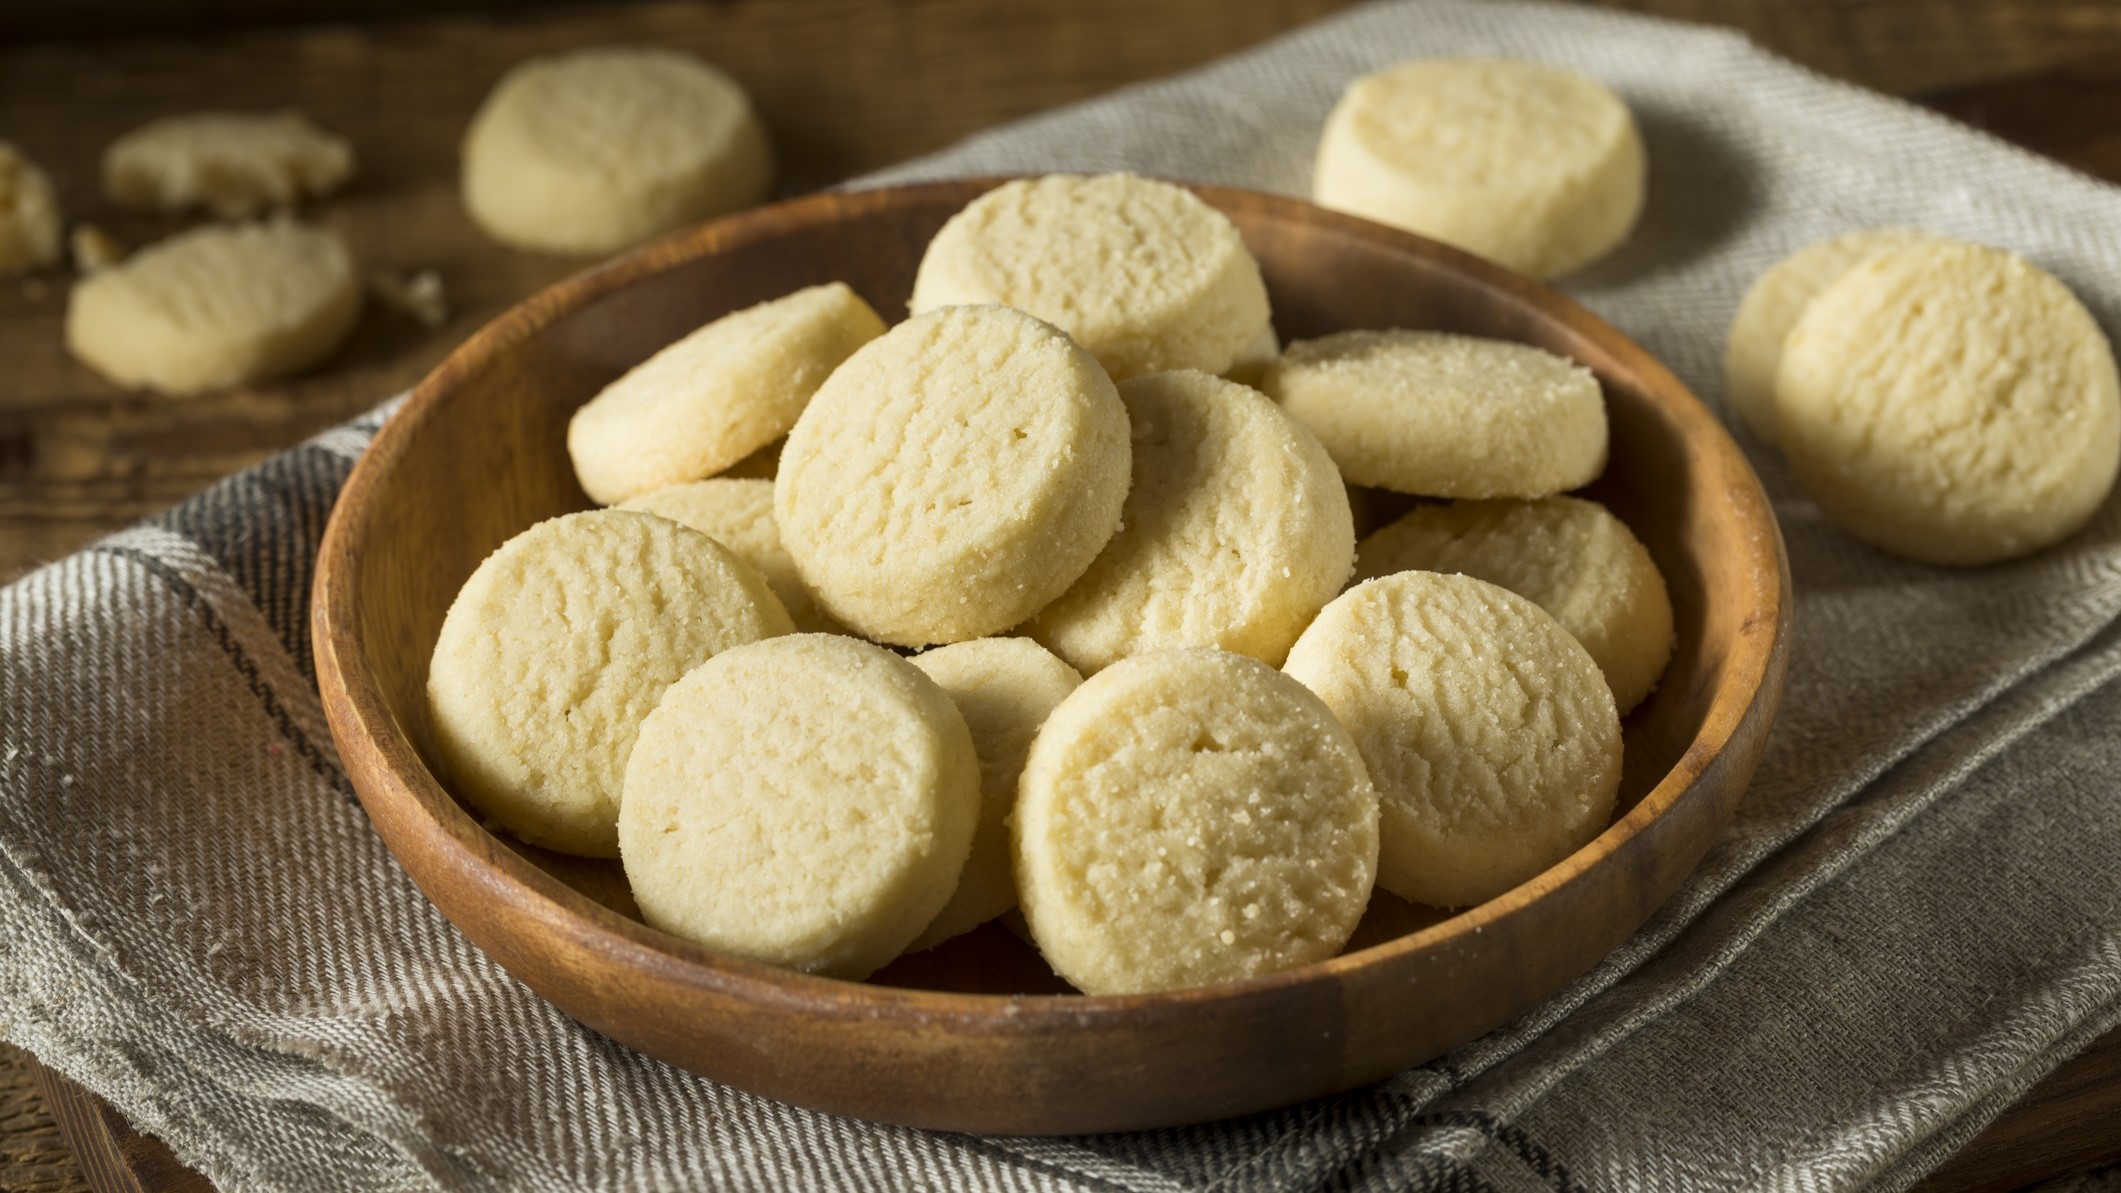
1952,403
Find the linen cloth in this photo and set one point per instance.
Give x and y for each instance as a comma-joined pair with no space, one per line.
1916,915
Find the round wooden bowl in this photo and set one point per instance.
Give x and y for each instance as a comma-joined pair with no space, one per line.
978,1035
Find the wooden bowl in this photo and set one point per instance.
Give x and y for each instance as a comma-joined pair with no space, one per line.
978,1035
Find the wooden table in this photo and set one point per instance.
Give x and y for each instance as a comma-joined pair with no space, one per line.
847,86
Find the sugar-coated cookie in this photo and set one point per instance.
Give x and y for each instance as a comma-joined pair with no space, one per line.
217,306
557,647
593,150
1142,273
807,801
1441,415
29,214
1006,688
714,397
738,513
1235,534
1571,557
1192,816
1951,403
234,164
1539,169
1753,348
953,477
1487,728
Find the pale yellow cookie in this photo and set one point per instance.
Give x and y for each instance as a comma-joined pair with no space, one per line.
1952,403
29,214
1753,348
217,306
1142,273
738,513
1235,534
234,164
1539,169
1192,816
1005,687
1488,729
726,390
1442,415
953,477
593,150
1571,557
807,801
557,647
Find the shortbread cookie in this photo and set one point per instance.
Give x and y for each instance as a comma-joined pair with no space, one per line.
1441,415
591,151
234,164
1772,307
1571,557
1251,364
1142,273
1952,403
714,397
1192,816
217,306
557,647
29,214
1491,735
1235,534
953,477
1536,168
739,515
1005,687
807,801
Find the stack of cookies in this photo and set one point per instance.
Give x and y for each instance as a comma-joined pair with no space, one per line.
1025,602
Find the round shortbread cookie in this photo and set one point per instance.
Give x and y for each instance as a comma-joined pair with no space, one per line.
1539,169
29,214
1441,415
953,477
807,801
1142,273
594,150
1006,688
234,164
217,306
1952,403
1571,557
556,648
713,398
738,513
1488,729
1753,349
1192,816
1236,532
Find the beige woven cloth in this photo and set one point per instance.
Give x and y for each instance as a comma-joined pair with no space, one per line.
1916,915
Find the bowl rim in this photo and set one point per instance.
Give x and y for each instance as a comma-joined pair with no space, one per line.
362,722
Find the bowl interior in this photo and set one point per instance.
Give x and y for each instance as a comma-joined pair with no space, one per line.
483,455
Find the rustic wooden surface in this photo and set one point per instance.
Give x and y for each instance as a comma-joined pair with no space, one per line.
848,85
